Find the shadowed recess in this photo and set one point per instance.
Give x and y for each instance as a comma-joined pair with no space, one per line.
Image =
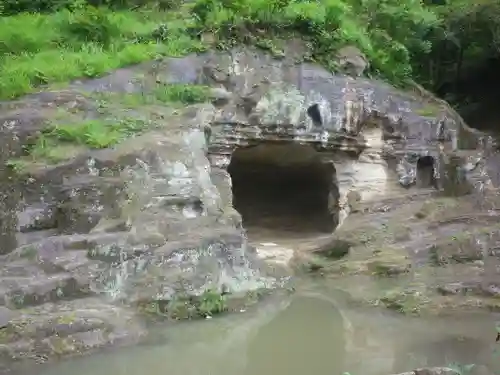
425,172
284,187
315,115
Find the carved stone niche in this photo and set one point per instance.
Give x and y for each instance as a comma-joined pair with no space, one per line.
454,181
285,186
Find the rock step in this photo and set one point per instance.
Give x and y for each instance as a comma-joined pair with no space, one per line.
175,267
69,253
197,240
27,238
54,246
394,200
202,239
73,204
177,201
200,226
173,224
205,260
36,218
26,283
52,330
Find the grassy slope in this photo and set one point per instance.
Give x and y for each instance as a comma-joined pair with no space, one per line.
38,49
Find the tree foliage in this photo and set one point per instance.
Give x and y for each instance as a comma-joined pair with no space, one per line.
467,38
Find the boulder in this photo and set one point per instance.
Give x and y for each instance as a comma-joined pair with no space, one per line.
352,61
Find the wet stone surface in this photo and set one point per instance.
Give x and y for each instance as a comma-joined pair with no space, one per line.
50,331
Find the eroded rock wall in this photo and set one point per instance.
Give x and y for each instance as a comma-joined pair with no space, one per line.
104,236
374,134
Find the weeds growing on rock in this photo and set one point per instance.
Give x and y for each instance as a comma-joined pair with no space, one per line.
186,94
335,250
404,302
58,142
94,133
171,94
209,303
388,269
29,252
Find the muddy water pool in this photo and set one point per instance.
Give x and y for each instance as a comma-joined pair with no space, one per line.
314,330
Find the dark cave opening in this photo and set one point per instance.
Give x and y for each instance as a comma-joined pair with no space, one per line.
283,188
315,115
425,172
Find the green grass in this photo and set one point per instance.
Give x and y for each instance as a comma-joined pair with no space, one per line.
90,42
171,94
93,133
63,141
57,141
430,110
402,39
209,303
179,93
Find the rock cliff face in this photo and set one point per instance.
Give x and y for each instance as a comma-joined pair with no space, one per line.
158,217
366,138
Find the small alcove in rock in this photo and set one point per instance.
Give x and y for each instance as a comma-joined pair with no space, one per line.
284,187
425,172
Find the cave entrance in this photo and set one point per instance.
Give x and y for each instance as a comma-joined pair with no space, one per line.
425,172
284,187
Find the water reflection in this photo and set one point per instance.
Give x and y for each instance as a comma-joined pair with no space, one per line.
283,337
307,337
305,333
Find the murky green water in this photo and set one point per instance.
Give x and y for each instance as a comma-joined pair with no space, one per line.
312,331
299,345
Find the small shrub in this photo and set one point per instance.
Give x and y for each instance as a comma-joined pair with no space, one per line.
160,33
187,94
90,25
211,303
10,7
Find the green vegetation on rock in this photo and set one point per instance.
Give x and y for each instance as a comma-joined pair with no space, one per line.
207,304
403,40
59,142
408,302
188,307
178,93
83,41
63,139
93,133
